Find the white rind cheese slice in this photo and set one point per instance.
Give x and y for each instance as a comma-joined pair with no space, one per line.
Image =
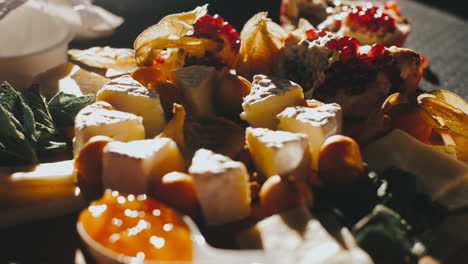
99,119
197,84
222,187
443,178
135,166
268,97
295,236
127,95
279,152
317,123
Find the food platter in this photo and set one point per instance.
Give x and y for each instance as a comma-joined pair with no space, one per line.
60,232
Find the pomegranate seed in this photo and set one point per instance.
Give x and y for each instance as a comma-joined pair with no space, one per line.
159,60
332,44
215,27
339,23
322,33
377,51
367,60
347,54
288,38
311,35
343,42
354,44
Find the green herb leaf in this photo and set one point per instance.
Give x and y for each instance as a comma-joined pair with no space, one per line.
38,104
14,148
49,139
14,103
64,107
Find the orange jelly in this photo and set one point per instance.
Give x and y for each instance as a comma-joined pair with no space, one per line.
137,226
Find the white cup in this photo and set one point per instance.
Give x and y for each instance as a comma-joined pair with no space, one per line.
33,41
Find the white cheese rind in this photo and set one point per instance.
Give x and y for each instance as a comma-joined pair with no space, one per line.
295,236
222,187
278,152
317,123
268,97
94,120
127,95
197,84
440,176
133,167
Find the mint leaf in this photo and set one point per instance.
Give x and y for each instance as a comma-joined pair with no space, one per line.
14,148
38,104
64,107
14,103
49,139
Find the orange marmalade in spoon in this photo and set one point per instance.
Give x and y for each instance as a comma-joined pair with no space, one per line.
137,226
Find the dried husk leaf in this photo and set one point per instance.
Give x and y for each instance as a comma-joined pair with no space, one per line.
119,59
461,146
262,40
214,133
188,17
302,27
451,99
175,127
393,100
171,32
445,114
446,144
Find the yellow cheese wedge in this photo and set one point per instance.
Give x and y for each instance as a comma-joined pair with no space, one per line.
38,191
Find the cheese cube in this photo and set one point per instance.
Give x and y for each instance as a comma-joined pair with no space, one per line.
127,95
317,123
100,119
196,83
279,152
222,187
268,97
135,166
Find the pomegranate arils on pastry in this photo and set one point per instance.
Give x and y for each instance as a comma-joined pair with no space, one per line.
359,68
373,19
214,27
